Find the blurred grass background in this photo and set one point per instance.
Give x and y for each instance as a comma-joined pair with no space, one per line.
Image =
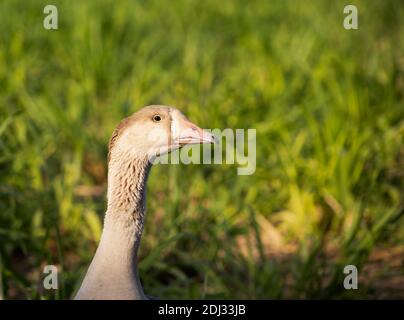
327,104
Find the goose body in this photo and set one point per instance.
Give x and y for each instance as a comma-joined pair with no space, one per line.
135,143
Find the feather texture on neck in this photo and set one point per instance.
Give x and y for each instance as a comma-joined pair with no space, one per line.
113,272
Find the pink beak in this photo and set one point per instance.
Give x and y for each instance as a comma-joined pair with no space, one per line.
190,133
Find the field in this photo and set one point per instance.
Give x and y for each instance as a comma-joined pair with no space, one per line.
327,104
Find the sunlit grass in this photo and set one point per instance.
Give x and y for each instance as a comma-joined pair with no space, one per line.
327,105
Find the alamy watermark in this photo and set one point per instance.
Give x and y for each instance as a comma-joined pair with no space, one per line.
50,22
237,146
50,281
351,18
351,280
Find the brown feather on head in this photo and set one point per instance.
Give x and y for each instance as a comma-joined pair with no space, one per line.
117,131
155,130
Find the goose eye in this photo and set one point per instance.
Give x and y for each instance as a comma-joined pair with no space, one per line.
156,118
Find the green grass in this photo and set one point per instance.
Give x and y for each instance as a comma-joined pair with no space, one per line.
327,105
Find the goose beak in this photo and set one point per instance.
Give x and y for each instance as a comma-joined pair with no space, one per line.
190,133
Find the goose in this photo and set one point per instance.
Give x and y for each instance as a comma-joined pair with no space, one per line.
137,141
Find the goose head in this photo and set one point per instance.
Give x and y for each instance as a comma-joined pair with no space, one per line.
154,131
